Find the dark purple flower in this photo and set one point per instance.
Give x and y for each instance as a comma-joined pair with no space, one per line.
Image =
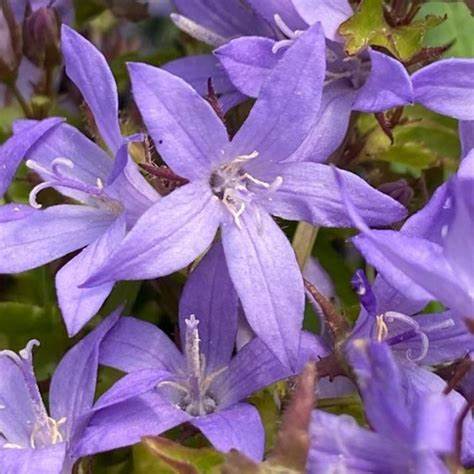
111,194
237,186
32,438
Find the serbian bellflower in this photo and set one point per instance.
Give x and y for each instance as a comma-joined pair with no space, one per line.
33,439
236,185
406,437
111,194
202,383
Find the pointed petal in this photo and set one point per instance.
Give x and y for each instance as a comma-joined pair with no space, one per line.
14,150
228,19
253,368
73,383
186,131
210,295
458,250
285,8
197,70
182,226
285,109
338,443
132,385
17,408
387,86
52,233
238,427
447,87
128,422
309,192
330,13
410,264
49,460
134,345
88,69
265,273
380,383
329,126
466,133
90,162
79,305
248,61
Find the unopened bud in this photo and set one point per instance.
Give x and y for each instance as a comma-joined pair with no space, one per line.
41,34
399,190
10,44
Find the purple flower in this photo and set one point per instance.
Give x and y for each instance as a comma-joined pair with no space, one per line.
202,384
111,195
426,339
236,186
32,438
406,437
431,258
370,81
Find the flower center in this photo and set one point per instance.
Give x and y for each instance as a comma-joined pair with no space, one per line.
58,177
194,392
355,69
233,185
382,332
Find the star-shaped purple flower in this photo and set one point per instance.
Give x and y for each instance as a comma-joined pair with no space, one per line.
406,436
111,194
236,185
32,438
430,258
203,383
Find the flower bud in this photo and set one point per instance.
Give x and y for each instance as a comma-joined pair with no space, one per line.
10,44
399,190
41,34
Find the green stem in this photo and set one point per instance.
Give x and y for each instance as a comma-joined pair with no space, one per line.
21,100
303,242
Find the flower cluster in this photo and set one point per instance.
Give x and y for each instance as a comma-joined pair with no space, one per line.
242,306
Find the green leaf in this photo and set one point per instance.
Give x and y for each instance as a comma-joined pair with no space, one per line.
163,456
368,27
364,27
459,26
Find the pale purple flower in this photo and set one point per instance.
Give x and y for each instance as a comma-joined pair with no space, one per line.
111,195
236,186
431,258
406,436
203,383
33,438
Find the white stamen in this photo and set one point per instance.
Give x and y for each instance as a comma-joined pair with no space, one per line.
381,328
283,27
287,31
393,315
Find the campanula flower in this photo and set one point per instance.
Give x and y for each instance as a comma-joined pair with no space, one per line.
111,195
237,185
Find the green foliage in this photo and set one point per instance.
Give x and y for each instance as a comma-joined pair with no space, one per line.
163,456
459,27
369,27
